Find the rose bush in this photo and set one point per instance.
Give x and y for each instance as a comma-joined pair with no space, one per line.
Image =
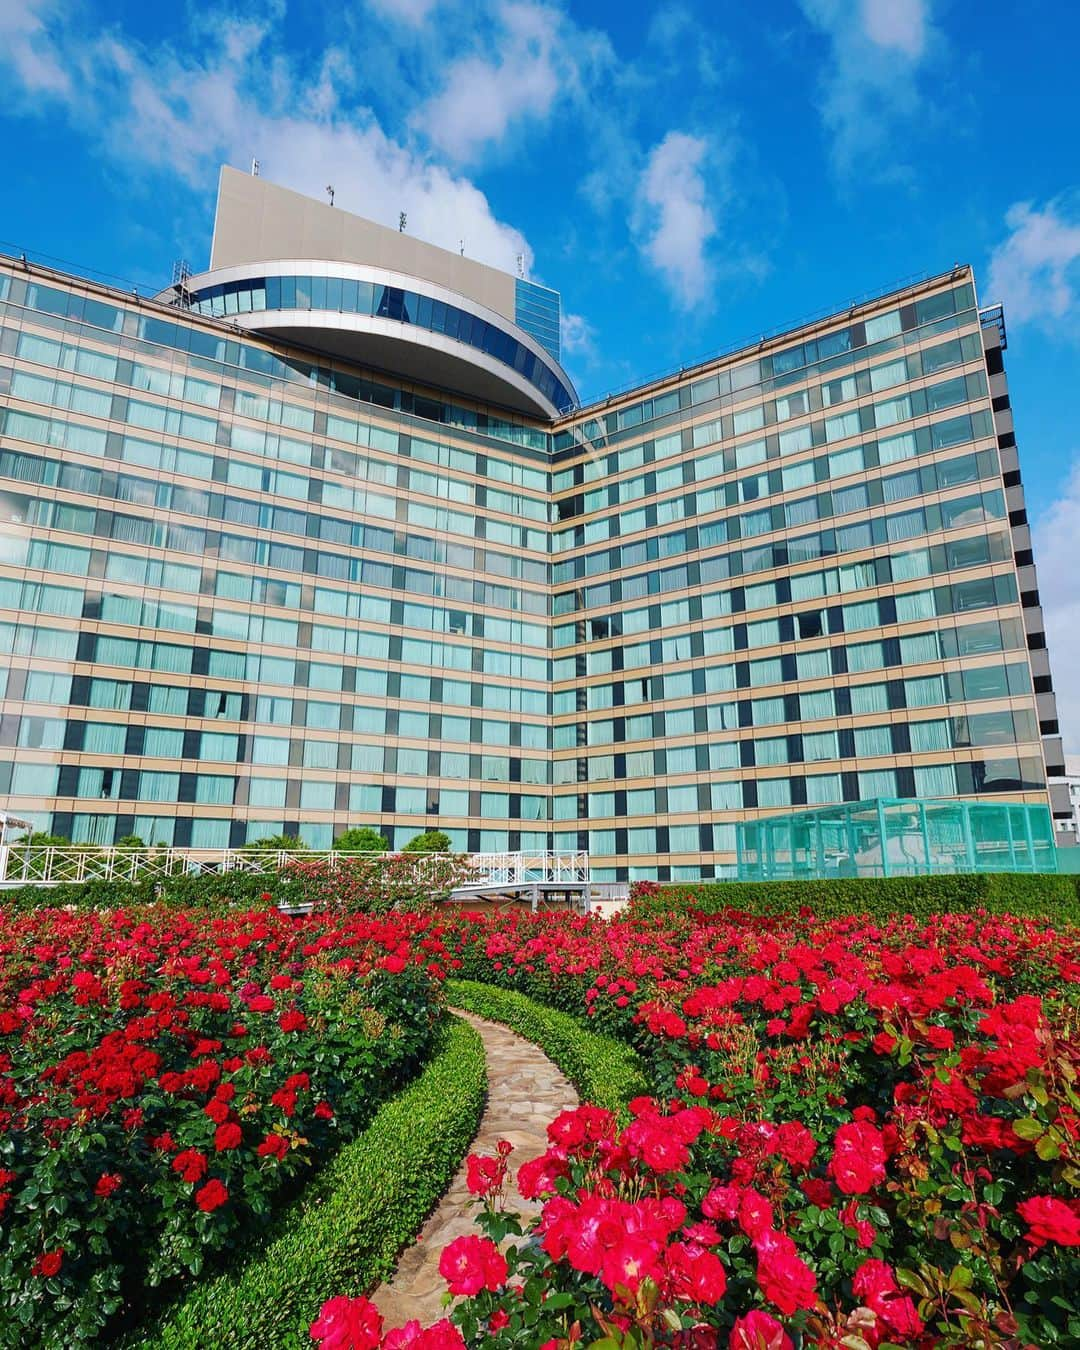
861,1134
164,1078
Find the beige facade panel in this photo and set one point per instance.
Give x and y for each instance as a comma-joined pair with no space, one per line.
257,221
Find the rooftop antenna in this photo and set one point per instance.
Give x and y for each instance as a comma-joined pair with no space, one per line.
461,250
181,273
402,221
521,265
254,168
330,193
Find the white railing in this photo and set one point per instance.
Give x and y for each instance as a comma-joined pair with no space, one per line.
540,868
24,865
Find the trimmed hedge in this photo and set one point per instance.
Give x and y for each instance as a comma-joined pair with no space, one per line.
603,1070
1036,895
344,1233
203,890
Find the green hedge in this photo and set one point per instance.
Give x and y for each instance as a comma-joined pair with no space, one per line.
204,890
603,1070
344,1233
1039,895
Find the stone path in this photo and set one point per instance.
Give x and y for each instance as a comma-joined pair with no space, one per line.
525,1091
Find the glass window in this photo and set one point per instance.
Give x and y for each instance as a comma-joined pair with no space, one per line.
820,745
936,780
877,783
872,741
774,792
823,789
869,698
163,742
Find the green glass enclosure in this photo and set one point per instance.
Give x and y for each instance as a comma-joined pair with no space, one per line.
894,837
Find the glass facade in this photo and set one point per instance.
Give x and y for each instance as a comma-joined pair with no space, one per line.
345,295
246,590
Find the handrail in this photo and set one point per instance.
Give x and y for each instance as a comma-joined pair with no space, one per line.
53,865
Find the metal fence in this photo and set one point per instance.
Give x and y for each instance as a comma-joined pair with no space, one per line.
25,865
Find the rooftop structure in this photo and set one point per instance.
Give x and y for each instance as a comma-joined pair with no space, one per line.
318,277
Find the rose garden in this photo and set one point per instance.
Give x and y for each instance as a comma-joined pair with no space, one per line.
831,1117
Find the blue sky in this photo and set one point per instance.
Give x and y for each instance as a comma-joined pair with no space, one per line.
689,175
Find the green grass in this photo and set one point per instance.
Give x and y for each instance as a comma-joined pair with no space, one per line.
603,1071
344,1233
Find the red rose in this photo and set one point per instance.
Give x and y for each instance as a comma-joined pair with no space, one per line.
858,1161
107,1184
347,1324
293,1021
785,1279
443,1335
757,1330
694,1274
324,1111
273,1146
1050,1220
227,1136
190,1164
48,1263
470,1264
211,1196
632,1260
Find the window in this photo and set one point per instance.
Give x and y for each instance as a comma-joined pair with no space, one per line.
823,789
873,741
316,795
819,745
100,738
877,783
163,742
158,787
217,745
937,780
214,789
774,792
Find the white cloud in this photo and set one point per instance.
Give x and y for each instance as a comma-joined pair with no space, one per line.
411,12
533,60
575,335
233,96
28,45
1055,536
674,221
1035,270
896,23
870,82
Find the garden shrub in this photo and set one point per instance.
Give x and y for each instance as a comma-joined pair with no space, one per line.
603,1070
865,1134
166,1079
1046,895
345,1231
369,885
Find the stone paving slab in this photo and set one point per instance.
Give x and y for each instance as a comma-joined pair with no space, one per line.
525,1092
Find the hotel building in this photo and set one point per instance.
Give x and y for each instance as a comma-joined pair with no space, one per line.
322,537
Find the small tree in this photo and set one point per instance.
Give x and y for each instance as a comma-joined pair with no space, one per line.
277,843
361,839
130,841
40,840
431,841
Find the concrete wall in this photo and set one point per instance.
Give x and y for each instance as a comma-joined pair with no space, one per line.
258,221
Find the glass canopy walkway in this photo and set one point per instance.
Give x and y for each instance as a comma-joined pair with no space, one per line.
893,837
